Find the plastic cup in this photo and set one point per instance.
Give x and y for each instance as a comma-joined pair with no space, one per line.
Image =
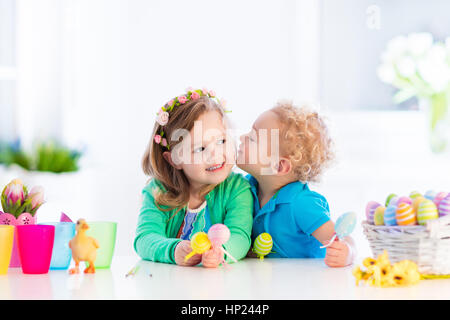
105,233
6,245
35,247
62,254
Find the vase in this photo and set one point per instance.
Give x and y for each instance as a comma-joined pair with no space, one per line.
437,107
23,219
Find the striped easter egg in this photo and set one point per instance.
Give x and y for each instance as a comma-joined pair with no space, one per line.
405,215
427,211
404,200
263,244
439,197
430,194
416,203
394,201
444,206
378,216
389,216
370,209
388,199
415,194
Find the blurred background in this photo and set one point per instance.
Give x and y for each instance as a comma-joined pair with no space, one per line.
81,81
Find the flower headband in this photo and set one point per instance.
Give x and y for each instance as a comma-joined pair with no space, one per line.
191,95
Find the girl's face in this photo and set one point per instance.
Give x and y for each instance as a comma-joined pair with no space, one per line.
207,155
259,149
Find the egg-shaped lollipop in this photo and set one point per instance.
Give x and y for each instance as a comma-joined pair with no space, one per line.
343,227
263,245
219,234
199,244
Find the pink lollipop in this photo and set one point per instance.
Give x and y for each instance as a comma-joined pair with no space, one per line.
219,234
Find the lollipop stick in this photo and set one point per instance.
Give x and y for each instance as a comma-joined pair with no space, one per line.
329,243
228,254
186,258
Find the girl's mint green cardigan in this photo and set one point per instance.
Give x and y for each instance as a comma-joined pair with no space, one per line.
230,203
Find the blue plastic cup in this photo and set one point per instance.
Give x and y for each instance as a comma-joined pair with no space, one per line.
62,254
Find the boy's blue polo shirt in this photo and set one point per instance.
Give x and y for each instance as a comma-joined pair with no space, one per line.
290,217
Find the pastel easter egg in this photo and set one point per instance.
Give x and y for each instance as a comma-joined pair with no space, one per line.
439,197
404,200
388,199
263,244
405,215
427,211
444,206
389,216
415,194
345,224
430,194
416,203
370,209
394,201
378,215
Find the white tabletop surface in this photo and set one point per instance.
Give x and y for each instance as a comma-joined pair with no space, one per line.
247,279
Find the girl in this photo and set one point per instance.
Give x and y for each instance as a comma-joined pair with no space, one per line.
297,218
190,159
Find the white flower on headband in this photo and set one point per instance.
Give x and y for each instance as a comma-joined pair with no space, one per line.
163,117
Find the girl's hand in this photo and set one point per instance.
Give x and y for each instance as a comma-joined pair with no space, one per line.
338,254
182,249
212,258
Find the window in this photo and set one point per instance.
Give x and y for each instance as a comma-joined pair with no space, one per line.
7,69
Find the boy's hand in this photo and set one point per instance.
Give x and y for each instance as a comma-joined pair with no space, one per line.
182,249
212,258
338,254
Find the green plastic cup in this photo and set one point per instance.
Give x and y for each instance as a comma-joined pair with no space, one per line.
105,233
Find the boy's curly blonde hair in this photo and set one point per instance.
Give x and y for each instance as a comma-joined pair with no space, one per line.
304,138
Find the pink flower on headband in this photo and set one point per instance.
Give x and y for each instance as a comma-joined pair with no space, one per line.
164,142
170,103
158,139
163,117
212,93
182,99
195,95
205,91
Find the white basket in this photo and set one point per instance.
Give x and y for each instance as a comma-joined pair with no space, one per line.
428,246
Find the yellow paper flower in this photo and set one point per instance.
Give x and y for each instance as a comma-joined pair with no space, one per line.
381,273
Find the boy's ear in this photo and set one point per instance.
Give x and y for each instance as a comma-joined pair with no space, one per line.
168,157
284,166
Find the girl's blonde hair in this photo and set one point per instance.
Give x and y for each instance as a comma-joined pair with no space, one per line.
175,181
305,139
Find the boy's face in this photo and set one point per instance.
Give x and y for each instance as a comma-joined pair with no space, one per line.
259,149
208,156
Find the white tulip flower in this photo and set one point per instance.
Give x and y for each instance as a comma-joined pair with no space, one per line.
419,43
406,66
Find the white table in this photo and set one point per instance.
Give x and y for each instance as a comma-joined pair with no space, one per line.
247,279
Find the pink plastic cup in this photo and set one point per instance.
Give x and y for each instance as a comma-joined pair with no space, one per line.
35,247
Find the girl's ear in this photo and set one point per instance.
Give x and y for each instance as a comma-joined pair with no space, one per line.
284,166
168,157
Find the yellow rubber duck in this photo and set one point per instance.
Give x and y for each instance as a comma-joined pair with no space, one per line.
84,248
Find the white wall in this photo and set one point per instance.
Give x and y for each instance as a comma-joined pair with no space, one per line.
110,64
